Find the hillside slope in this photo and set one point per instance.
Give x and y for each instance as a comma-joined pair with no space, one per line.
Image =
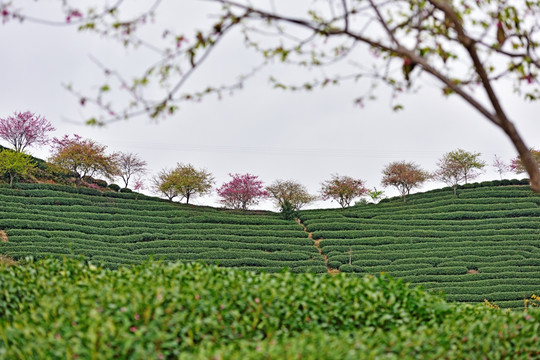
121,229
482,244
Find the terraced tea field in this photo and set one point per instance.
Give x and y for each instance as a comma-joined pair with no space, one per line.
483,244
121,229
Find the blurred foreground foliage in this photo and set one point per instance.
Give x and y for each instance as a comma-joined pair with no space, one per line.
71,309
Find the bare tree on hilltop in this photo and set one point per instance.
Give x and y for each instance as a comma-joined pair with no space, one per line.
128,165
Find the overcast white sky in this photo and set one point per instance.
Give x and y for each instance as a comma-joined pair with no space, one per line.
266,132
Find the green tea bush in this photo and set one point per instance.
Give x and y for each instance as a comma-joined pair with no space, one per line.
347,268
69,309
114,187
334,264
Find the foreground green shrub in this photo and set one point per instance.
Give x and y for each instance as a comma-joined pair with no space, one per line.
55,309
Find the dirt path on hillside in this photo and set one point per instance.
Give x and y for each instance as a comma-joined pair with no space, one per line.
317,244
3,236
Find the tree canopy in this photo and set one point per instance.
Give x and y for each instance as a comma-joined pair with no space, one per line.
458,166
184,181
404,176
296,194
343,189
25,129
163,184
83,157
14,163
242,191
128,165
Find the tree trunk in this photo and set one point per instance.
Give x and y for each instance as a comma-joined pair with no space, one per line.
11,177
126,181
528,160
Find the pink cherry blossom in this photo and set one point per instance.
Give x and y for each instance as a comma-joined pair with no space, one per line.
242,191
25,129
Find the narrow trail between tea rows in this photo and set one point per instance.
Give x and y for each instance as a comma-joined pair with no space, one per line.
317,244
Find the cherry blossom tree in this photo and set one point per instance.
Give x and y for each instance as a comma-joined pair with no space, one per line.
242,191
404,176
83,157
25,129
129,164
500,166
343,189
139,185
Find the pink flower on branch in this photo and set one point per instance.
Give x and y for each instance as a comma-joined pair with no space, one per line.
139,185
25,129
501,166
73,14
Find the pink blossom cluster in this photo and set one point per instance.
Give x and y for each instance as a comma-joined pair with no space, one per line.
242,191
25,129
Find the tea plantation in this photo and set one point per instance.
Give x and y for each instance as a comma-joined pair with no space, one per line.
482,244
122,229
70,310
